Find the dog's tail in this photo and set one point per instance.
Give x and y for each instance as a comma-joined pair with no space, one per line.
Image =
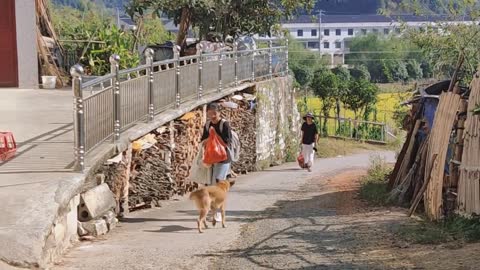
197,193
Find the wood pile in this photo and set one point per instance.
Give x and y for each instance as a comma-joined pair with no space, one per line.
162,168
188,132
469,183
242,121
152,180
437,146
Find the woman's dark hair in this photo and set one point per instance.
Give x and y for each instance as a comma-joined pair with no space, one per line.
213,106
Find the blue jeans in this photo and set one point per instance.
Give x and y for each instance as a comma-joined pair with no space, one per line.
220,171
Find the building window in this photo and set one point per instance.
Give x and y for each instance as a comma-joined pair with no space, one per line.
326,45
375,31
338,32
350,32
346,44
338,45
326,32
314,32
364,31
313,45
299,33
386,31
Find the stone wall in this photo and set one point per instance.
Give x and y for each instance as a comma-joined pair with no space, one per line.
278,123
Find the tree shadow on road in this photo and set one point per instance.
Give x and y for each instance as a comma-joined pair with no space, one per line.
312,233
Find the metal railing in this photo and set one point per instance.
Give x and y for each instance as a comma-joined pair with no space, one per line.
122,98
347,128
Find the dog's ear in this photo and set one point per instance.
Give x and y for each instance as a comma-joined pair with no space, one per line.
232,183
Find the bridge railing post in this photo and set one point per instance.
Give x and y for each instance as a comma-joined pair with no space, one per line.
235,57
253,65
176,56
117,106
200,70
220,64
286,57
270,59
79,121
151,106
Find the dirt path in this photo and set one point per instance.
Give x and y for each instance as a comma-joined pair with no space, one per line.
320,226
324,225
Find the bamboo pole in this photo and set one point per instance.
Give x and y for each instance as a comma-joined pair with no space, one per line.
420,194
408,153
438,144
468,200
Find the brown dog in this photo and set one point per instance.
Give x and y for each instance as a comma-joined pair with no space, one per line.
211,198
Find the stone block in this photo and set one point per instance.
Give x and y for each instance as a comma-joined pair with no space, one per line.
111,220
96,227
72,218
95,202
80,230
59,229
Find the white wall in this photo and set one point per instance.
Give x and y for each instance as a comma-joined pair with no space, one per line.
26,44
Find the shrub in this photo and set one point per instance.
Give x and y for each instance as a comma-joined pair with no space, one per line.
374,185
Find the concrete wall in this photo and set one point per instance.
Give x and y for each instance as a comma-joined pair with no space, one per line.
26,44
278,123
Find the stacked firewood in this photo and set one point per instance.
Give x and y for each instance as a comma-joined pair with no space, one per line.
152,179
188,132
161,170
242,121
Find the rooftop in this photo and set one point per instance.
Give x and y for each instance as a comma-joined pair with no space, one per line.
365,18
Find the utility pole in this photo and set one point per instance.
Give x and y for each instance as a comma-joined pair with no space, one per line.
320,13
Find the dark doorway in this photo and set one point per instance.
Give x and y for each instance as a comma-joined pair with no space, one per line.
8,45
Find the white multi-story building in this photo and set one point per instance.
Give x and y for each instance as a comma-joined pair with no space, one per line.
332,35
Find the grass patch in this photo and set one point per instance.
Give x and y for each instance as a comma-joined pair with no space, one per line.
373,186
424,233
331,147
455,228
395,87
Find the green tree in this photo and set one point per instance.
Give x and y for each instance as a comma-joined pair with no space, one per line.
302,62
93,37
325,85
414,69
362,94
382,55
228,17
343,83
400,72
444,42
360,72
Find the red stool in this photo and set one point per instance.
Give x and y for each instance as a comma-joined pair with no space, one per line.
8,147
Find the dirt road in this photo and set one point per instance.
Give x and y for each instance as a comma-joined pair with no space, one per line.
282,218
